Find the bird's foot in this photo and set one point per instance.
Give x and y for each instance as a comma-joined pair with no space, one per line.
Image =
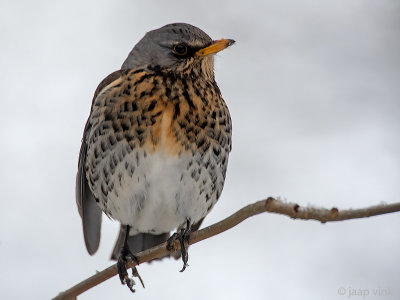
123,272
183,237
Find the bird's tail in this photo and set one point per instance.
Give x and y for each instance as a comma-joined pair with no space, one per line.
140,242
143,241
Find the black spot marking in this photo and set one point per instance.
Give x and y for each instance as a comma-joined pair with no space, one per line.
197,91
105,126
206,147
193,73
152,105
105,172
112,166
216,151
125,126
129,137
116,128
216,87
168,92
187,96
131,171
156,114
212,124
110,101
204,100
141,79
181,124
223,160
95,177
128,148
104,190
112,140
125,107
127,92
206,164
189,129
103,146
131,72
108,116
114,158
204,124
177,110
139,131
201,142
119,136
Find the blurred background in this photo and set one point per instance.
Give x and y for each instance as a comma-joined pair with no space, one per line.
314,92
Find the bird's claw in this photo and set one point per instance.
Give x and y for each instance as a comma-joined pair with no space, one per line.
123,272
135,273
130,283
183,237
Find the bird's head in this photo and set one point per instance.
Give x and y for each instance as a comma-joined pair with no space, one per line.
178,48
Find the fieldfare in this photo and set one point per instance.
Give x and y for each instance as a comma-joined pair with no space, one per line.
155,147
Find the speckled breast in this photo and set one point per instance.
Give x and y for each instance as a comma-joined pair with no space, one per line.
158,149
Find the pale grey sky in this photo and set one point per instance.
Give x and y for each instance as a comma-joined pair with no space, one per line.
313,89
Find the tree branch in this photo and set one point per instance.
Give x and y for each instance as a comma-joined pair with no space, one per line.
272,205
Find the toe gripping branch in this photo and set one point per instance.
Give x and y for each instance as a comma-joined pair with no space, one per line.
183,237
121,266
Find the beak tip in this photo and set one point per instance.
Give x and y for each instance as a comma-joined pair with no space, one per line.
215,47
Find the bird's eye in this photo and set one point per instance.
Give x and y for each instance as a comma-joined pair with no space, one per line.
180,49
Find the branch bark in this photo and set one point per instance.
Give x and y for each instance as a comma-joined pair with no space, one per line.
271,205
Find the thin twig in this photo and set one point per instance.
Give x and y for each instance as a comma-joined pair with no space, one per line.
272,205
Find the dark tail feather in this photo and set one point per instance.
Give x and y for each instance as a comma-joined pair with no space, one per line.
139,242
143,241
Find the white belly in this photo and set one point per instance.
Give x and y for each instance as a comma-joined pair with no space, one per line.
160,192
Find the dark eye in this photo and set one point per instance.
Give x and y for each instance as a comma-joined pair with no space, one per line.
180,49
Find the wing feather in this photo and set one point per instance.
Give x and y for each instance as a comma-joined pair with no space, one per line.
88,209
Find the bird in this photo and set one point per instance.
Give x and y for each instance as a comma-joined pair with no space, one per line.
155,147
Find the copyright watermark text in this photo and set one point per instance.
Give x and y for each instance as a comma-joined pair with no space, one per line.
353,292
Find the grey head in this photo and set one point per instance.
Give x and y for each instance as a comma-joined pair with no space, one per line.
176,47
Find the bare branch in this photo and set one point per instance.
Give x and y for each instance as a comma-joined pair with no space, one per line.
272,205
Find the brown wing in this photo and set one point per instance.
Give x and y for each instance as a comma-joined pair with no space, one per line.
85,200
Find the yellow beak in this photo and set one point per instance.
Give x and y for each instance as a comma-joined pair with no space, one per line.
215,47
